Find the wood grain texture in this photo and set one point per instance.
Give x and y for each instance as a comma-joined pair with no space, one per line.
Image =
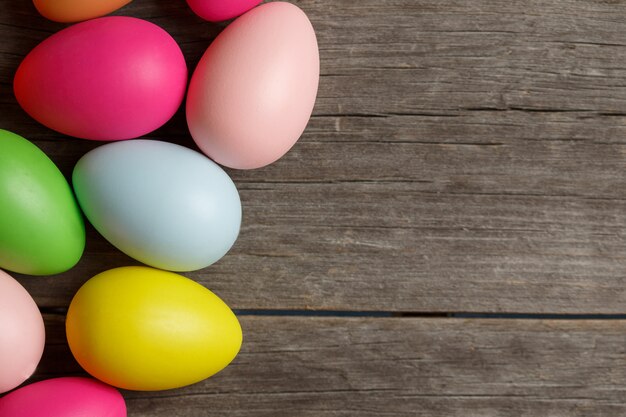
311,366
463,156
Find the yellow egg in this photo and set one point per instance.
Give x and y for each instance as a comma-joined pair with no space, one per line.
68,11
145,329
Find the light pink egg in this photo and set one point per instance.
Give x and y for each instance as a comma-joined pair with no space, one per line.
22,334
64,397
110,78
253,92
218,10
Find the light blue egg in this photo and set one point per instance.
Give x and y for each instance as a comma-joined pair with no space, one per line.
162,204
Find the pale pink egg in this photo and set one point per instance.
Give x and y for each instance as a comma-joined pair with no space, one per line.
64,397
218,10
22,334
253,92
110,78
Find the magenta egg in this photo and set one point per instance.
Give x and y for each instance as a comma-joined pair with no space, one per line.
64,397
218,10
252,94
110,78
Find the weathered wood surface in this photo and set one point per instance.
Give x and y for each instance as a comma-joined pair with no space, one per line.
318,367
463,156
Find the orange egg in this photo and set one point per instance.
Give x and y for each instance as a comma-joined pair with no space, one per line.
68,11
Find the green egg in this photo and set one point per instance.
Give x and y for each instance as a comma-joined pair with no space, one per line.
42,231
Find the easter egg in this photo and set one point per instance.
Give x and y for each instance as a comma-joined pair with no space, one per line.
67,11
218,10
146,329
163,204
64,397
22,334
41,227
110,78
252,94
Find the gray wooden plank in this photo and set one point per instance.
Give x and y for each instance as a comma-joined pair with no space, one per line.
550,168
463,156
312,366
335,247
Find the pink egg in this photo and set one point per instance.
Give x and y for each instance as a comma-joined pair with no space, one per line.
64,397
218,10
22,334
253,92
110,78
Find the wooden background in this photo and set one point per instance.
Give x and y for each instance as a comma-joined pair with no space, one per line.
429,247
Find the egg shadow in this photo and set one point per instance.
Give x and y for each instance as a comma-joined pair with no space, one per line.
57,359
